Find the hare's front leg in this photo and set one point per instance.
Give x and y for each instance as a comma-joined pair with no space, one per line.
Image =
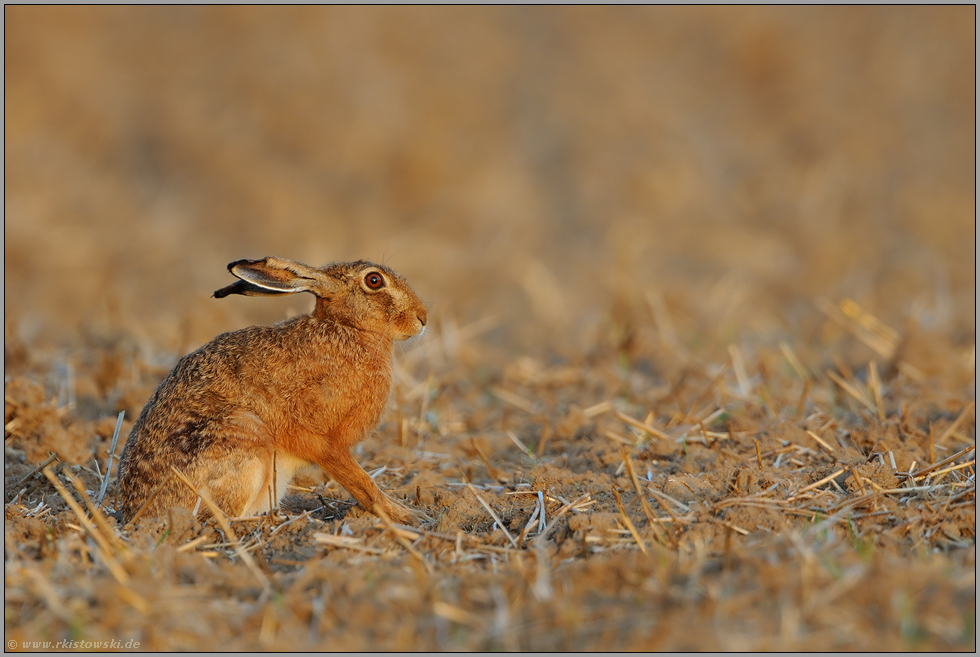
341,465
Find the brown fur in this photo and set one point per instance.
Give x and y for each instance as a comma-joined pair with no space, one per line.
302,391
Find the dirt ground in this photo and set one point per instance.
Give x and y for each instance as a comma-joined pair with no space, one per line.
701,367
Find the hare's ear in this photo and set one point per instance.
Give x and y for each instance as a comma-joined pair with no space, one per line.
247,289
276,276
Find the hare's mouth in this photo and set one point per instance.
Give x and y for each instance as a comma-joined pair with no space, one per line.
413,332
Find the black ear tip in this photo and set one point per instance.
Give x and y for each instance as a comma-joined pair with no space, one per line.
234,288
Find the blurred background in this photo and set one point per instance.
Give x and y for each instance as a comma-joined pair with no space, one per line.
556,171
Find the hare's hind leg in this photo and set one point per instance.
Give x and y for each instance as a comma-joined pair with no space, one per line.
232,477
244,482
236,467
273,488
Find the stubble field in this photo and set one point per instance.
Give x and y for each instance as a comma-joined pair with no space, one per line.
700,370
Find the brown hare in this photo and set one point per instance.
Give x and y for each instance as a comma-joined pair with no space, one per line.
299,392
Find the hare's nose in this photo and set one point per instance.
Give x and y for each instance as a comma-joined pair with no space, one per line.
422,315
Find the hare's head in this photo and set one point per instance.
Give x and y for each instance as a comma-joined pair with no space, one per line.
361,294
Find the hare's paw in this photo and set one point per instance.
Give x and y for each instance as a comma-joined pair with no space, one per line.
403,514
416,516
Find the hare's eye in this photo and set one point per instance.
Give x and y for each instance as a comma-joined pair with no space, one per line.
374,280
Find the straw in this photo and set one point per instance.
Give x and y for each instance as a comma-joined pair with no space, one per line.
391,529
949,430
821,441
821,482
628,522
647,511
851,390
102,544
149,500
112,453
513,399
500,523
222,520
492,471
642,426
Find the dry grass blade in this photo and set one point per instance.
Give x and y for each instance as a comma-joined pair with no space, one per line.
598,409
513,399
857,479
531,523
665,327
583,500
642,426
623,440
665,506
801,405
875,382
749,502
544,512
346,542
478,327
222,520
149,500
949,430
112,453
102,543
945,461
420,425
852,502
704,434
962,494
718,378
910,489
880,345
851,390
647,510
660,495
97,516
456,615
911,371
628,522
820,441
545,435
823,481
951,469
869,322
37,469
734,528
517,441
190,545
500,523
491,470
794,361
740,374
394,531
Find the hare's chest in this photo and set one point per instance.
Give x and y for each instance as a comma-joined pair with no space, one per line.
354,396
